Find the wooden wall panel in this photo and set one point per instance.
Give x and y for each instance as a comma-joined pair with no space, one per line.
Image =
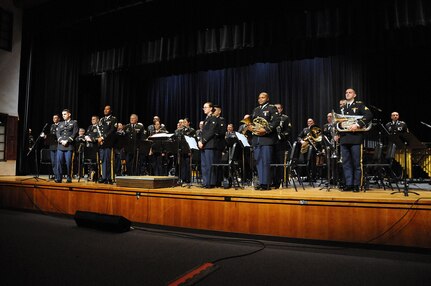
338,221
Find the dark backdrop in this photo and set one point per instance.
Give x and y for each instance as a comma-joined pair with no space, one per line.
169,57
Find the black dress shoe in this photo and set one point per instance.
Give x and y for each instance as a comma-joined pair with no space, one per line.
347,189
257,188
101,180
356,189
69,180
57,181
265,187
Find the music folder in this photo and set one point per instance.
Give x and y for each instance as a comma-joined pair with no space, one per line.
191,142
411,141
242,139
161,136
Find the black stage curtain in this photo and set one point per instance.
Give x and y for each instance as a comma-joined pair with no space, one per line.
167,58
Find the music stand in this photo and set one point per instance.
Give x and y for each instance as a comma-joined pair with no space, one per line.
244,144
163,143
328,147
33,148
404,141
80,150
191,146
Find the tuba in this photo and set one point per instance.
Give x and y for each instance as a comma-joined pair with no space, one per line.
257,123
343,122
313,137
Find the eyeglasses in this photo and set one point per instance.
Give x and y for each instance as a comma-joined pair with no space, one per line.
206,107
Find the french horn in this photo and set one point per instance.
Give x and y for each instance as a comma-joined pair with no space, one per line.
257,123
343,122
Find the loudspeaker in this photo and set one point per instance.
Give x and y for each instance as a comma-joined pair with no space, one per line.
112,223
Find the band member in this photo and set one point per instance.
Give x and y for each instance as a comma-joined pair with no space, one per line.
92,132
230,132
309,137
135,157
328,127
79,150
199,131
248,163
186,152
244,129
120,153
264,138
66,133
351,142
158,156
91,149
107,126
51,141
332,150
395,125
197,155
280,148
220,133
210,153
188,131
151,127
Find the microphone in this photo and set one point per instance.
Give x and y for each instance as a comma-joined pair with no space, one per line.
427,125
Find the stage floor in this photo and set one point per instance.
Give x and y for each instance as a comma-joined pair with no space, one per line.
376,216
320,189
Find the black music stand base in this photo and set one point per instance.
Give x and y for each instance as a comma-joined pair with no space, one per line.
405,190
404,140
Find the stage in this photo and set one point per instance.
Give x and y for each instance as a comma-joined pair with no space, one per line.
372,217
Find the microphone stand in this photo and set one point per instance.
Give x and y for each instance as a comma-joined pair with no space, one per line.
36,163
328,164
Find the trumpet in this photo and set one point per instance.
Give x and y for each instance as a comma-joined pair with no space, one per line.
257,123
343,122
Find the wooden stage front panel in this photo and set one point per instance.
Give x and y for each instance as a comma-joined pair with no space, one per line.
374,217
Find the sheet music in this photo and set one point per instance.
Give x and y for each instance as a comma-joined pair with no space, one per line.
191,142
161,135
243,139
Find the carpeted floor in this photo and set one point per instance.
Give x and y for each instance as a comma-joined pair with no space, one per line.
38,249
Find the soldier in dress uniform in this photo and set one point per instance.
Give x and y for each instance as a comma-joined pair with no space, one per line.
80,143
351,142
158,157
135,133
151,128
92,133
66,133
51,141
283,144
91,148
208,145
395,125
120,154
221,132
199,131
185,168
107,127
264,139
